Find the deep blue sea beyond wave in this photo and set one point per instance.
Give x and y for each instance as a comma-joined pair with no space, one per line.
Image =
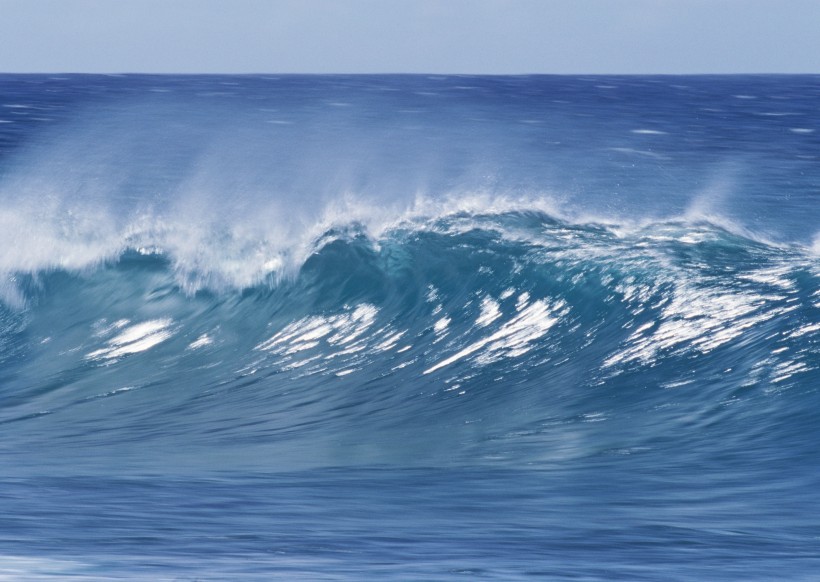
409,328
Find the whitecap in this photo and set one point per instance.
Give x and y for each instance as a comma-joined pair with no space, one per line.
514,338
201,342
340,330
136,338
489,312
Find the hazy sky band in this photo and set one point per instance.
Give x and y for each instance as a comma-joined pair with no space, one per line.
411,36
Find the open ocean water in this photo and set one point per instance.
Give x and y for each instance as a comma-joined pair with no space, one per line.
409,328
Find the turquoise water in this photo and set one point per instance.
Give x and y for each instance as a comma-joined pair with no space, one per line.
409,327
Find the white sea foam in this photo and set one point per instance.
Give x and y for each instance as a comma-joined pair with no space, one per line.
696,318
134,339
514,338
210,246
340,330
201,342
489,312
267,243
441,325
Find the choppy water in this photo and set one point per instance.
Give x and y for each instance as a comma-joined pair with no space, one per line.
409,327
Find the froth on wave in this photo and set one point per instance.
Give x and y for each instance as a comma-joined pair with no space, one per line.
514,331
261,246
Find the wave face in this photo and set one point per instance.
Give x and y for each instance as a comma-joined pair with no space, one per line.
511,338
314,327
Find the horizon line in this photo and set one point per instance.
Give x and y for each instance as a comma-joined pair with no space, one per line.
408,74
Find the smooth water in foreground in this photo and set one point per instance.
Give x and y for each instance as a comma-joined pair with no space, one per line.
409,327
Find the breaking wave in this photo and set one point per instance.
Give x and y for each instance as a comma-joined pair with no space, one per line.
475,336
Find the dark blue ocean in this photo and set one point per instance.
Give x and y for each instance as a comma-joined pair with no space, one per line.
409,328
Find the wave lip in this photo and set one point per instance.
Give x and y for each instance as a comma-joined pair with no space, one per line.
263,245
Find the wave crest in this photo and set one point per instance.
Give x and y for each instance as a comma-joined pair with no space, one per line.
511,318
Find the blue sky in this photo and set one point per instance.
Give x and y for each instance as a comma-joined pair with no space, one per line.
410,36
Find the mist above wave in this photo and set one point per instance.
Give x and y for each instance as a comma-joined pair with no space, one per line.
221,251
238,187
